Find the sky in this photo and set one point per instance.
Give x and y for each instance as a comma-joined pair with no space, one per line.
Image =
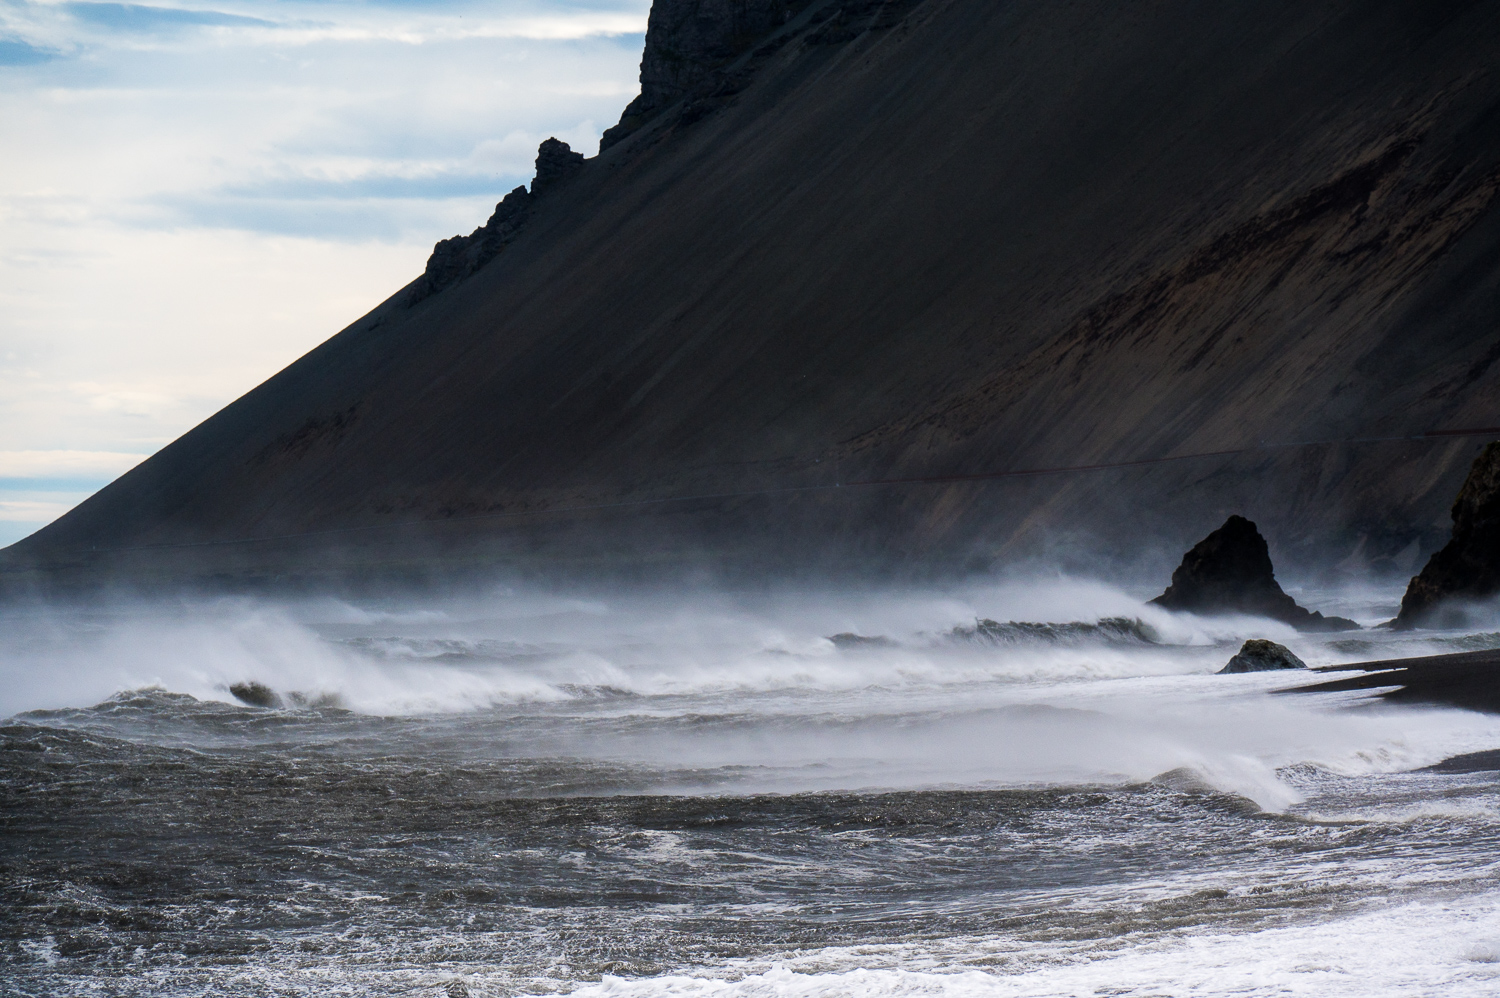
193,194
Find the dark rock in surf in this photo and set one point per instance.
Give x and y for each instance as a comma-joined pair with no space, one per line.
849,639
1229,571
1107,630
255,694
1468,566
1260,655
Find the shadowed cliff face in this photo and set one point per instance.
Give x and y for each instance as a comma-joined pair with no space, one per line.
860,278
1468,566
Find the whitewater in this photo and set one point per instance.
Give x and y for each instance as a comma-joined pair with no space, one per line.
1012,787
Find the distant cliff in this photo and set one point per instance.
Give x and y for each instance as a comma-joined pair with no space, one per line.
912,287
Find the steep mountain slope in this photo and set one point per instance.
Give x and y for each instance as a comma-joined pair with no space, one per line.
1249,251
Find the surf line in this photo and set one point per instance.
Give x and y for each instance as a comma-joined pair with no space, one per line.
1485,431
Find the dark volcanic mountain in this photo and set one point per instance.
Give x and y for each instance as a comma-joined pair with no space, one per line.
1245,255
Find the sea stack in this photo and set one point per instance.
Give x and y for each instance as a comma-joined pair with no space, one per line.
1468,566
1230,571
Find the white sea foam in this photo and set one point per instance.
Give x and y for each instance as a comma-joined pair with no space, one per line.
1422,948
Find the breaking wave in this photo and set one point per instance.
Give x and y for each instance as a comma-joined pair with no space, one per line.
1109,630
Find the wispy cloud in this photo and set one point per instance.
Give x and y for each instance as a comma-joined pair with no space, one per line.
33,511
77,26
138,17
66,464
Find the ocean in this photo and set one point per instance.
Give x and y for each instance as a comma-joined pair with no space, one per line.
1015,787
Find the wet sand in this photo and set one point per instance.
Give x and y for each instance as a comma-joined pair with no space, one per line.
1470,680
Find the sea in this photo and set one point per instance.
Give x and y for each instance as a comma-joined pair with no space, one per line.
1012,787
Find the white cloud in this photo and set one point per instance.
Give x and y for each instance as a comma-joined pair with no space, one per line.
189,202
31,511
64,464
24,511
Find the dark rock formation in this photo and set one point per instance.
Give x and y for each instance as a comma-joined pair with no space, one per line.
454,259
847,640
255,694
1260,655
689,44
1229,571
1468,566
554,161
699,53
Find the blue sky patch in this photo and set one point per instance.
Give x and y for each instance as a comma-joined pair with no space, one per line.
138,17
15,53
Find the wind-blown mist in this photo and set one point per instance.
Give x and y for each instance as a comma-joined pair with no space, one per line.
768,692
1027,787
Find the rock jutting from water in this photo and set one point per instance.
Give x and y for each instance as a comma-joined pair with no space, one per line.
1230,571
255,694
1260,655
1468,566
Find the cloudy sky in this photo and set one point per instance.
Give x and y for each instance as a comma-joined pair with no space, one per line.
195,193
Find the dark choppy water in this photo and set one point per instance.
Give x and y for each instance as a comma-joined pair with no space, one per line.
638,799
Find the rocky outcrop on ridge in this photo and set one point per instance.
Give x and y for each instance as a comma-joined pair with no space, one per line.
454,259
689,44
701,52
1230,571
1260,655
1468,566
555,161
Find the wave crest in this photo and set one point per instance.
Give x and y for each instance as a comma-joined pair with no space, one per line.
1107,630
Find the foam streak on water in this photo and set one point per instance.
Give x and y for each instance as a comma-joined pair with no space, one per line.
1028,789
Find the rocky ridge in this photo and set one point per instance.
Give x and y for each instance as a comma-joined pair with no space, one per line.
700,53
454,259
